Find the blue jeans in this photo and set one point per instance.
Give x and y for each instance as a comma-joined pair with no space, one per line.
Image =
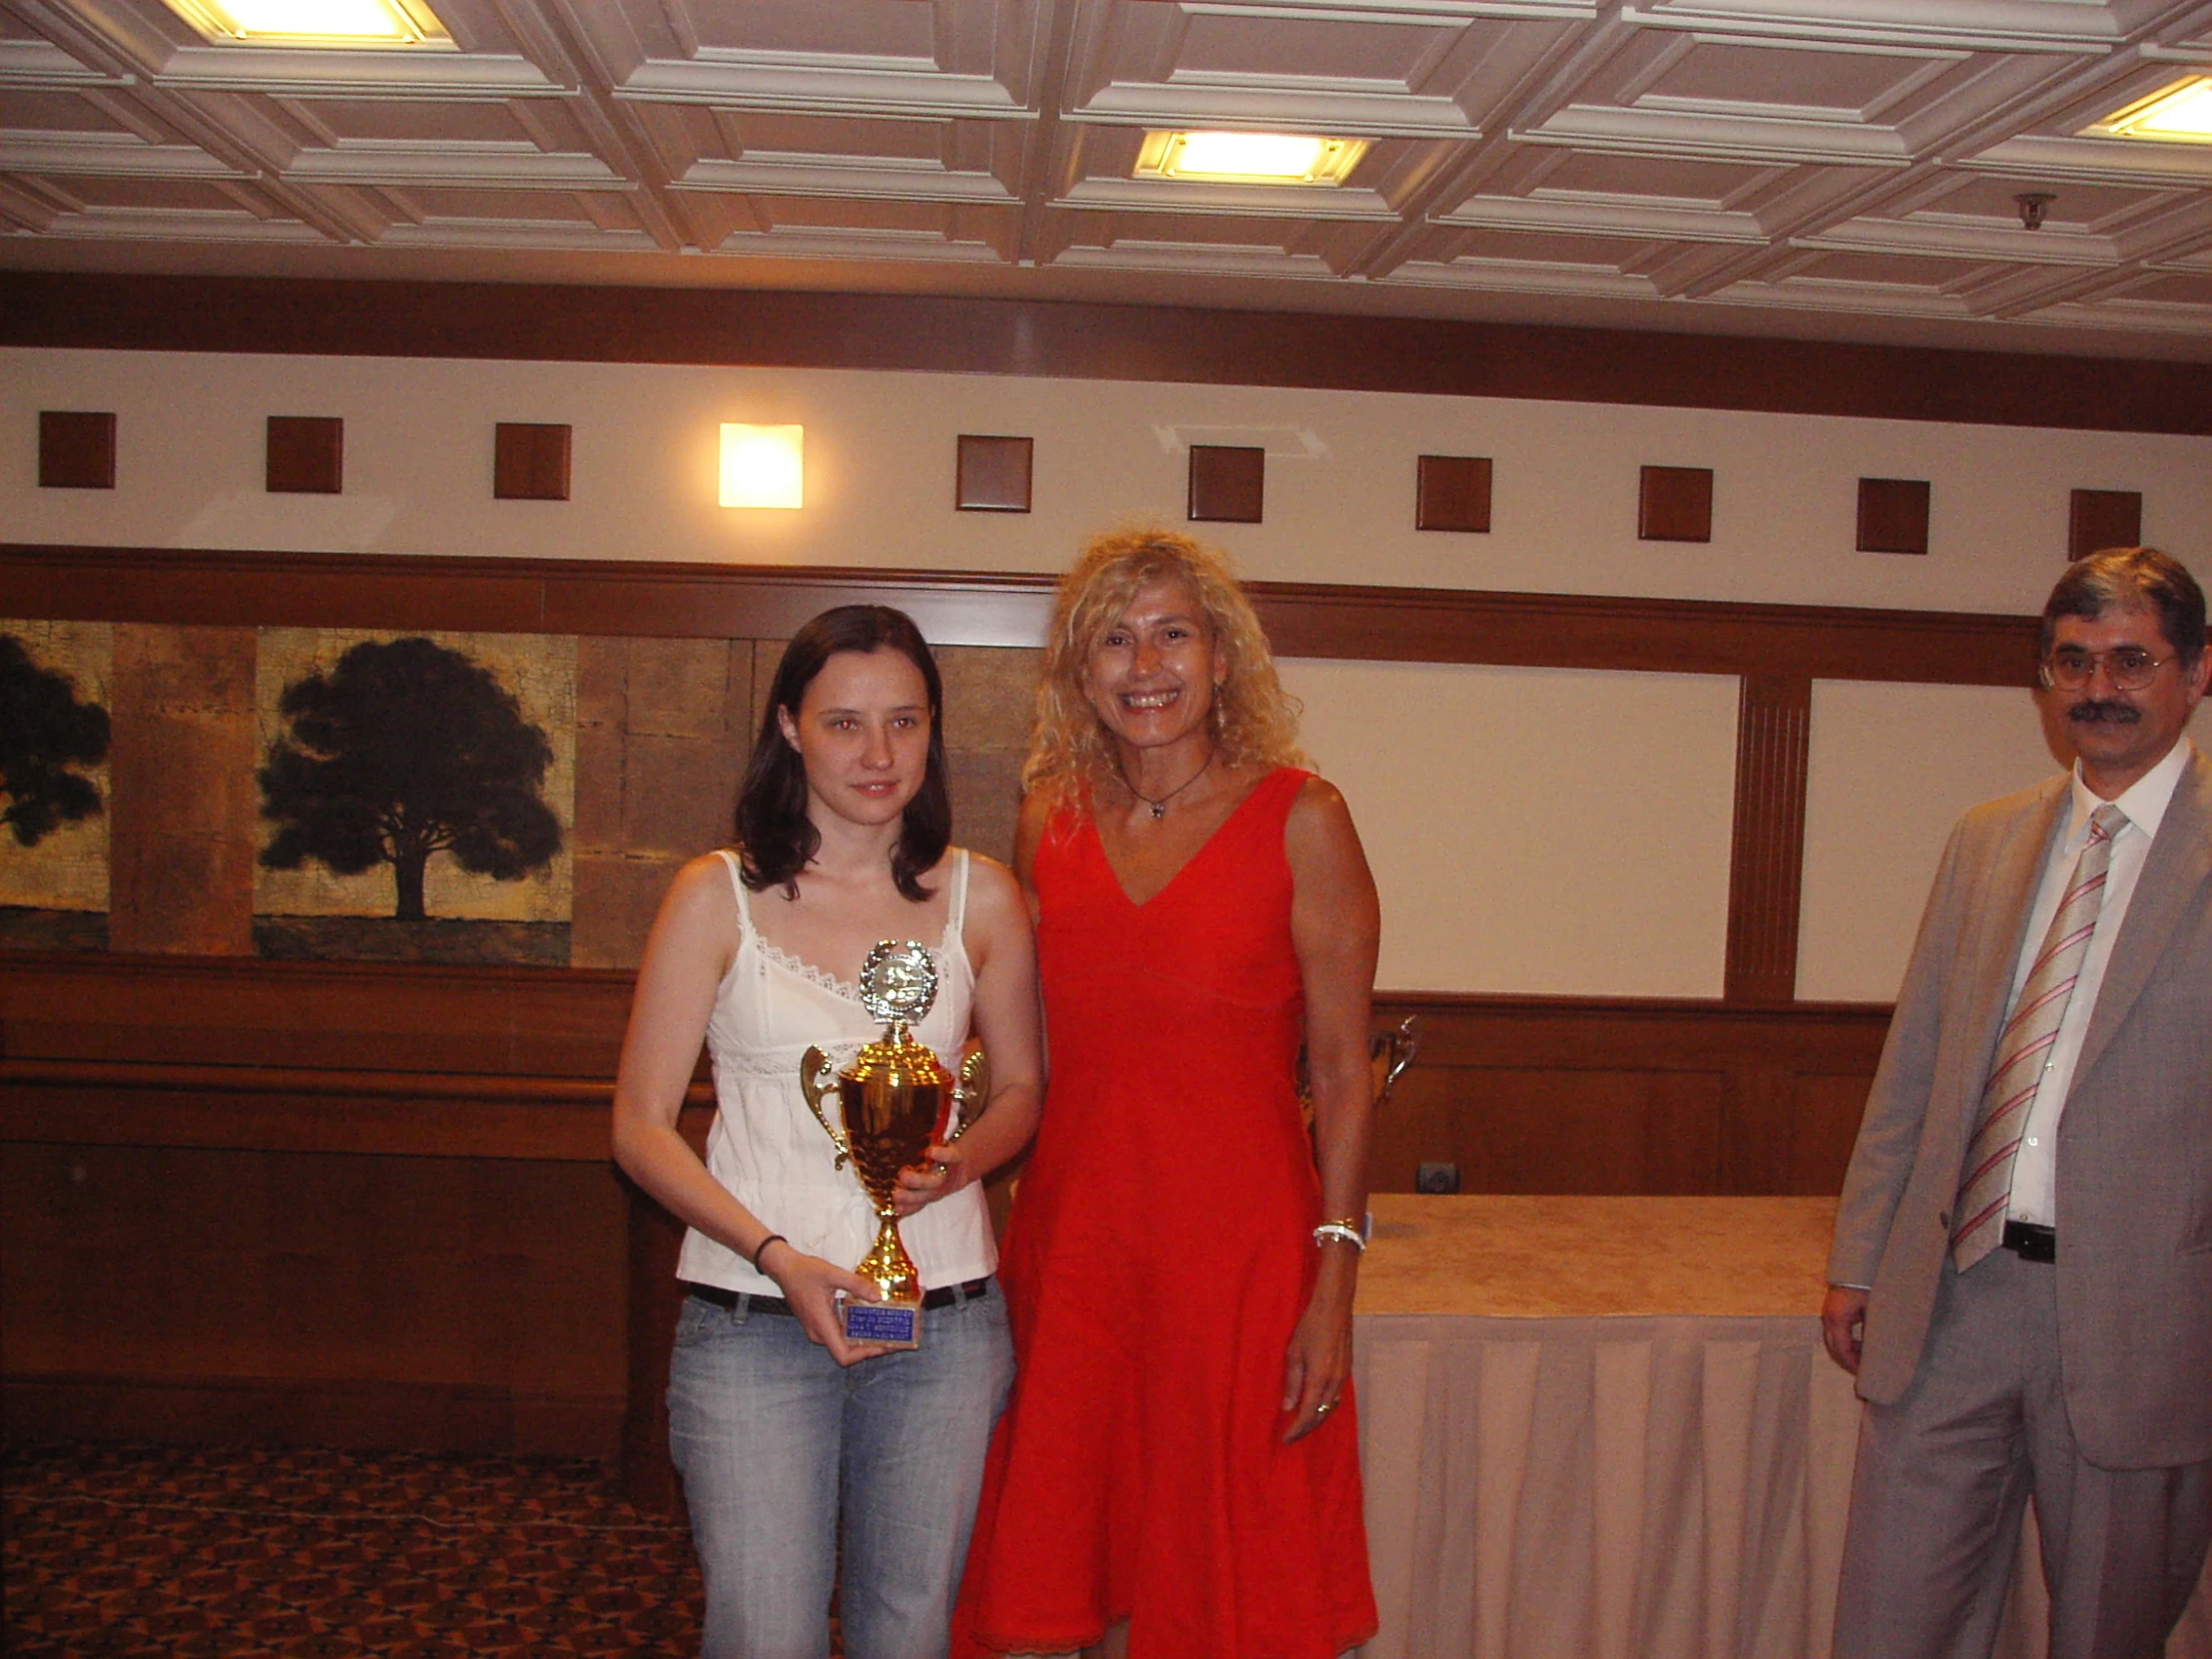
773,1439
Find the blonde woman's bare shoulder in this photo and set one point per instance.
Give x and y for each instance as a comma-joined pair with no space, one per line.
1318,797
1320,821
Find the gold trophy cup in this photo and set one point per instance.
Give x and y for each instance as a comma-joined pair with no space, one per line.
893,1100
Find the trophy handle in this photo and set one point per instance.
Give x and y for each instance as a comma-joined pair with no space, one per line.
816,1077
1397,1048
970,1094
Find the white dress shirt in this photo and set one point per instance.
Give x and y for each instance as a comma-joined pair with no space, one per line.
2035,1165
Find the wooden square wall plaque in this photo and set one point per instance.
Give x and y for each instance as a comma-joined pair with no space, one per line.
1228,483
1675,503
993,474
529,463
1452,492
75,450
1893,516
306,455
2103,518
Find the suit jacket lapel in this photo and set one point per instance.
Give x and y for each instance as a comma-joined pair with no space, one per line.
2170,887
2000,929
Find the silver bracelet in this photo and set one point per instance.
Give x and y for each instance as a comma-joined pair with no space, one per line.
1337,1232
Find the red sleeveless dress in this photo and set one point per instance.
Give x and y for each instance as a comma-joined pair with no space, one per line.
1159,1255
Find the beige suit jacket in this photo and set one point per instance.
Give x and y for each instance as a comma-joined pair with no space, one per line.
2134,1159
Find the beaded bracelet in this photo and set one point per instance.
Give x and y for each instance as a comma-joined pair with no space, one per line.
1340,1232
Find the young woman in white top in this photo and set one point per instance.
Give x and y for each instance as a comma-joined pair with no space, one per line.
777,1422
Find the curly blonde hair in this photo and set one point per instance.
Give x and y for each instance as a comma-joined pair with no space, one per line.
1254,720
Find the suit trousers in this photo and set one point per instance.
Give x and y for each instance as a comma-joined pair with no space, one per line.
1946,1473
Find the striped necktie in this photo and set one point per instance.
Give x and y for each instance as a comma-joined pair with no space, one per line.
2024,1045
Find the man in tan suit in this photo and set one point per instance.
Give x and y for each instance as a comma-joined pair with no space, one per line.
2021,1276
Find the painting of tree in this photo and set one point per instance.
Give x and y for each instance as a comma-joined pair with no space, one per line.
46,736
403,749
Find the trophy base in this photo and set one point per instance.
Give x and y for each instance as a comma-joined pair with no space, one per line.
885,1324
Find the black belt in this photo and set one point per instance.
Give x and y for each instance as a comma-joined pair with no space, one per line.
944,1295
2032,1242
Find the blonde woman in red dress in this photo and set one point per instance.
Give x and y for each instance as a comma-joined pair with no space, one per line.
1177,1475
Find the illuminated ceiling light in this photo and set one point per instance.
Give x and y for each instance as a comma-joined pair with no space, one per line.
1249,157
2178,114
323,23
764,466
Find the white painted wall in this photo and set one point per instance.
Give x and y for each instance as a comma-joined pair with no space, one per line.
1535,829
1892,768
879,451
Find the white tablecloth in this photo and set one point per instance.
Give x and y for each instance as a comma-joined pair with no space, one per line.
1605,1428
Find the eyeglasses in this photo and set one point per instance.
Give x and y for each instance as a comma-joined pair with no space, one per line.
2128,667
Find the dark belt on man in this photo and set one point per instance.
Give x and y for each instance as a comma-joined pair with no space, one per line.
944,1295
2031,1242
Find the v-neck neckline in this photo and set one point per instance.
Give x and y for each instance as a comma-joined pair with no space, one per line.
1099,841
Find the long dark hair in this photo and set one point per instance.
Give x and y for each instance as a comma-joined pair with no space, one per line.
776,839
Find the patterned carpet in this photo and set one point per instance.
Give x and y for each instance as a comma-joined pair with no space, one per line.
314,1555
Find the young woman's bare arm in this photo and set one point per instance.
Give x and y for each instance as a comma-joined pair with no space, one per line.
1003,952
690,949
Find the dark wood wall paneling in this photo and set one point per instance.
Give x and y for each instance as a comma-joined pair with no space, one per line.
993,474
162,1108
1893,516
76,449
1228,484
1674,503
1452,492
703,601
2103,518
352,1202
530,461
1092,341
306,455
369,1204
1773,730
1624,1095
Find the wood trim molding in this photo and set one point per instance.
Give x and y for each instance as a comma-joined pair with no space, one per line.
1774,734
81,1103
1074,340
336,1410
704,601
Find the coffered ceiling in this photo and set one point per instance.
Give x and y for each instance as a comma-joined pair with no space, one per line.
1842,169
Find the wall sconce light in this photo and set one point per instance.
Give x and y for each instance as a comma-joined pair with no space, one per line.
764,466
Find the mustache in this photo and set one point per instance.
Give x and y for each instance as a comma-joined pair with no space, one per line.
2104,710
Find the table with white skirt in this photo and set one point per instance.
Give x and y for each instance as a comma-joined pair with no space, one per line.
1605,1428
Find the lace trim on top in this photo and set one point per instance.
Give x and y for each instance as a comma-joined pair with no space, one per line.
780,957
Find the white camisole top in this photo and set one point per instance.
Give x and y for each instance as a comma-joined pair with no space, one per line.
765,1146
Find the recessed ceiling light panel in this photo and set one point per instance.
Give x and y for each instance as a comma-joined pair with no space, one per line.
1249,157
2177,113
349,24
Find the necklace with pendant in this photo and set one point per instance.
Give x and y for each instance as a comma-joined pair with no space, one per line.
1160,805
